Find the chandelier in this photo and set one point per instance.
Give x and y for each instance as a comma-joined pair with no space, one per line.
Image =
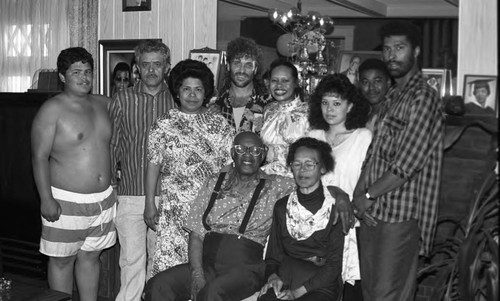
304,42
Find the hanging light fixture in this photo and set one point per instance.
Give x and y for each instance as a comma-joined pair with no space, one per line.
305,40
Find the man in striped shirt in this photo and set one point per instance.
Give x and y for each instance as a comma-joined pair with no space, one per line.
397,194
132,112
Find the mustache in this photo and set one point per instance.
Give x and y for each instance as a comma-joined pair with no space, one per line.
241,74
392,62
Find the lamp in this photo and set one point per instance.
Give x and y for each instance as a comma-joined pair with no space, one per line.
303,42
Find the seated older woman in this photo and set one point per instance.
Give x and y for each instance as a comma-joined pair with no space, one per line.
304,255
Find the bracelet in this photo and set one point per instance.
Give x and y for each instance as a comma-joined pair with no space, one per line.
368,196
197,273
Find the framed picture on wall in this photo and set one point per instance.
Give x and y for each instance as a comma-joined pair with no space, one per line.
480,94
114,54
349,61
211,57
331,52
437,79
136,5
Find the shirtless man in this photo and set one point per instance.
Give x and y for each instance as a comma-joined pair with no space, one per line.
70,141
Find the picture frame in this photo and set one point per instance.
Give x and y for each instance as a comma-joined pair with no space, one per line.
437,79
136,5
472,99
212,58
112,52
331,52
345,58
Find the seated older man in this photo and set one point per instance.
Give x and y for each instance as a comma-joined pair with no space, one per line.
229,223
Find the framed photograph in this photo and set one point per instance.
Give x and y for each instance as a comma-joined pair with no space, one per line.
480,94
211,57
331,52
136,5
112,53
437,79
349,61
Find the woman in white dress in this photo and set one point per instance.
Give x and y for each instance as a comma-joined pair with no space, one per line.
285,118
338,114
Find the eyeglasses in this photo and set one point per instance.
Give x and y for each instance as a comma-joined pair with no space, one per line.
308,165
254,150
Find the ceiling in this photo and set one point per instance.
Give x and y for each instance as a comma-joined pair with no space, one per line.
232,10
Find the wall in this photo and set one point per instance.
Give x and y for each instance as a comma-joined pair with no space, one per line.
478,39
181,24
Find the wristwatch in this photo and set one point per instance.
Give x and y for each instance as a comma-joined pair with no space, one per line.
368,196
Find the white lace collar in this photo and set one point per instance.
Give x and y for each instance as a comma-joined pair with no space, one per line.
300,222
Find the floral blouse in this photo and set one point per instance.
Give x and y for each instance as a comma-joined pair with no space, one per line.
283,124
189,148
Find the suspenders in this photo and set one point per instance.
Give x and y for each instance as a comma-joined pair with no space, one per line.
212,200
250,208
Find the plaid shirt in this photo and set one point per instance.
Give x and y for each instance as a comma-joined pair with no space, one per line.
408,141
252,118
132,113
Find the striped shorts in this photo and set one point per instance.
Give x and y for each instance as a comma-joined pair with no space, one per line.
86,223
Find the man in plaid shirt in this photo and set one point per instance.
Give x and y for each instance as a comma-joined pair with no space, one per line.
396,197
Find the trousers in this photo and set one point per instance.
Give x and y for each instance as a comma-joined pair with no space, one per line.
388,260
233,267
137,243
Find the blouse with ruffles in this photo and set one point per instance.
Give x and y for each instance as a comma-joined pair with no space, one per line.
284,122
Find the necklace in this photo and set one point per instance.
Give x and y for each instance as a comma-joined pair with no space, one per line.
238,101
338,138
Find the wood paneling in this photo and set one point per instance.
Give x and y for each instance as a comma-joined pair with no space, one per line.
181,24
478,39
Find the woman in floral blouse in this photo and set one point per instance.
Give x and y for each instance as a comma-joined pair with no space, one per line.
285,119
185,146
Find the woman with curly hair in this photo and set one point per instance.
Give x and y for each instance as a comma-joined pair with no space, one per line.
185,146
338,114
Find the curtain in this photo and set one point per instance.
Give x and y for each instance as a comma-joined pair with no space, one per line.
33,32
83,19
440,43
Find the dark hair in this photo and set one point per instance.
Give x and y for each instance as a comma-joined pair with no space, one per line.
241,47
121,67
338,84
323,148
402,28
72,55
295,74
195,69
374,64
147,46
487,87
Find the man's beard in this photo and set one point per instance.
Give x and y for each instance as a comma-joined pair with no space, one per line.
404,67
241,84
